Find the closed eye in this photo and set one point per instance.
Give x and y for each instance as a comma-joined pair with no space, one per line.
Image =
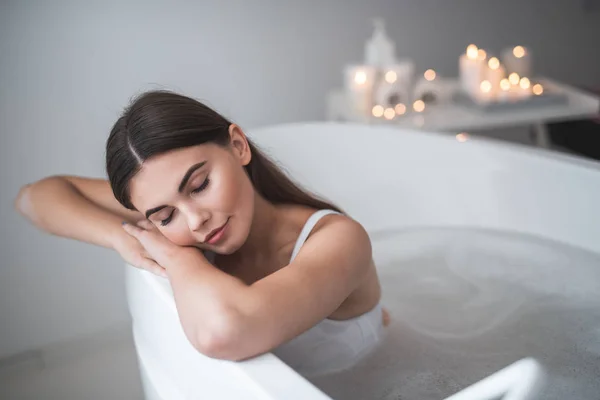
168,219
202,186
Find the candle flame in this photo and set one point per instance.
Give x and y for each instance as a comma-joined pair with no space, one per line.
481,54
538,89
400,109
377,111
390,76
514,78
519,51
419,106
494,63
360,77
429,75
472,52
486,86
505,84
389,113
524,83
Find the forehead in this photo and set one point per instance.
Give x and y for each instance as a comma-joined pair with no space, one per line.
160,176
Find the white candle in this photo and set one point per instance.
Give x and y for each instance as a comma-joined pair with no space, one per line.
359,82
471,69
504,94
495,73
485,93
517,59
524,88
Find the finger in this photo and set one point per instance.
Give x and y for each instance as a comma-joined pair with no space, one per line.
386,317
152,266
132,229
145,224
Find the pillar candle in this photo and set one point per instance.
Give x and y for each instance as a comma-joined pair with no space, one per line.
517,59
471,69
359,81
495,73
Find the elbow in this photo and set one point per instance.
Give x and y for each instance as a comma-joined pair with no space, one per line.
221,338
22,202
214,345
26,198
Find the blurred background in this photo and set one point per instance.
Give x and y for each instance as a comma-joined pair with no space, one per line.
67,68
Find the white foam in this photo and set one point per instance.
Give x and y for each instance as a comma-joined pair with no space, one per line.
466,303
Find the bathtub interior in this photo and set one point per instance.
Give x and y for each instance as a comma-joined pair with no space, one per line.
465,303
432,204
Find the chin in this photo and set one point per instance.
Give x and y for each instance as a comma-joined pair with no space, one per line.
229,247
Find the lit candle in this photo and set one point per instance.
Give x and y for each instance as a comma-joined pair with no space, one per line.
391,76
481,55
495,74
517,59
400,109
419,106
377,111
514,78
392,87
485,93
429,75
389,113
525,88
504,94
359,81
428,88
471,69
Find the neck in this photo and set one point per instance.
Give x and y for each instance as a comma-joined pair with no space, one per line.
266,224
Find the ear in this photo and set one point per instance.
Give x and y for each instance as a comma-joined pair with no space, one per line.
239,144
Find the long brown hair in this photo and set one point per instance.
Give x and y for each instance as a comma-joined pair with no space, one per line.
160,121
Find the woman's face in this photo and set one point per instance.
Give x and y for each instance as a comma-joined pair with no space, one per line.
199,196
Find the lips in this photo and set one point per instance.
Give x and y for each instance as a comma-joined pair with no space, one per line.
215,235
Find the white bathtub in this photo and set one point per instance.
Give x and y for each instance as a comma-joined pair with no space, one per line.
389,180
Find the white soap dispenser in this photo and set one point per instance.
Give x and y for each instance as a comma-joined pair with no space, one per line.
379,49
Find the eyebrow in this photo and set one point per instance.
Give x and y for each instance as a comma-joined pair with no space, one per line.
182,185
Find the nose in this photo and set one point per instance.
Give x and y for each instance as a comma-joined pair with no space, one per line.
196,219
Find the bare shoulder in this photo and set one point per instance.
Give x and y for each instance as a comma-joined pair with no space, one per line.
340,222
342,231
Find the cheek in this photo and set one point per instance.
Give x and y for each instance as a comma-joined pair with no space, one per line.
181,237
232,191
243,195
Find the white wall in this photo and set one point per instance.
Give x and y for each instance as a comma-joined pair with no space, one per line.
67,68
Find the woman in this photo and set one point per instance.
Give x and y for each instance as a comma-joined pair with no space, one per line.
256,264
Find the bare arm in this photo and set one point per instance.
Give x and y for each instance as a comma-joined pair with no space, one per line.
225,318
78,208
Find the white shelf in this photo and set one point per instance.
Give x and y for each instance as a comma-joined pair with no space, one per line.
456,118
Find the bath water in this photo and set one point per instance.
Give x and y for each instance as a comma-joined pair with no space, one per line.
467,303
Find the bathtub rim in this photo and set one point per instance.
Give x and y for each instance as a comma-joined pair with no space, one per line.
265,375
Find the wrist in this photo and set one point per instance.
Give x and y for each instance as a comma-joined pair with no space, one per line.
185,257
116,237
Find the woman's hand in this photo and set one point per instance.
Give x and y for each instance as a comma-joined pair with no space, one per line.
156,246
132,251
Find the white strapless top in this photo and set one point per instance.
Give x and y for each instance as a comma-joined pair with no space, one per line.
331,345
